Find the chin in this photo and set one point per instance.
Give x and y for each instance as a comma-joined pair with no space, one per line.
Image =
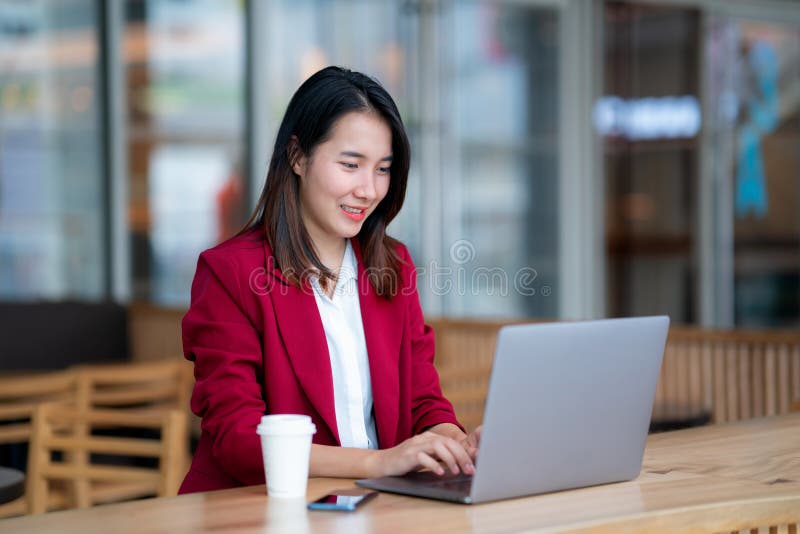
351,234
347,232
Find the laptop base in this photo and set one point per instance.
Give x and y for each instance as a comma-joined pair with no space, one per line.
453,488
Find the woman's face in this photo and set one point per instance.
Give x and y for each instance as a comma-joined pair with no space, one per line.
345,179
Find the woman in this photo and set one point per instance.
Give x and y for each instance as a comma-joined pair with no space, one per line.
313,309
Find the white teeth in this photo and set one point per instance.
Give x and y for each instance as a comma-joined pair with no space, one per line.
351,210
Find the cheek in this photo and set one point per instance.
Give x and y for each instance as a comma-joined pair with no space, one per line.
336,183
383,187
322,188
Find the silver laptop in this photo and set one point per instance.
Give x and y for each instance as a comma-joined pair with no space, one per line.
568,406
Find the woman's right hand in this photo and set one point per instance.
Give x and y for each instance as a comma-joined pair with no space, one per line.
424,451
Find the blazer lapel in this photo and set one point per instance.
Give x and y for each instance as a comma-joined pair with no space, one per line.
383,328
303,336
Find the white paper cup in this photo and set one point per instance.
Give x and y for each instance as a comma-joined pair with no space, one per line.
286,449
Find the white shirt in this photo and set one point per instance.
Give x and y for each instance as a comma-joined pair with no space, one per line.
347,347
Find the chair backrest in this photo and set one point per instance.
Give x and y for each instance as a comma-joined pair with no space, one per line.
19,396
159,384
55,429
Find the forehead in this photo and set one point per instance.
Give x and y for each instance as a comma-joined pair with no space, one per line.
367,133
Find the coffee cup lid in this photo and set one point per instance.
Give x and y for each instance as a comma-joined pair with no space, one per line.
286,424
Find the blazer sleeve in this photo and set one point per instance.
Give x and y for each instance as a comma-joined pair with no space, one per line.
228,366
429,407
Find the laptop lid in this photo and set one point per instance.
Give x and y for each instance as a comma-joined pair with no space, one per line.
568,405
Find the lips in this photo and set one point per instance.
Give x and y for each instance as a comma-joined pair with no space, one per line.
354,213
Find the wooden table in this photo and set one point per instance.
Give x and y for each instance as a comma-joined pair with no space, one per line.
700,479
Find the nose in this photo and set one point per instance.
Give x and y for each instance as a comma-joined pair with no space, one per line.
366,189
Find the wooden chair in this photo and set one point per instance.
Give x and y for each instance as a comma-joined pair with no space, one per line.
154,386
19,396
140,386
56,427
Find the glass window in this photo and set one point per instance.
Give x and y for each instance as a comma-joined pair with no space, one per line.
754,78
500,159
184,64
51,185
650,119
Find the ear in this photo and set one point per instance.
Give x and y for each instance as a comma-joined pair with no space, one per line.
296,158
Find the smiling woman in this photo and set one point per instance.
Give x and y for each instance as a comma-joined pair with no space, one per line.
359,363
343,181
338,124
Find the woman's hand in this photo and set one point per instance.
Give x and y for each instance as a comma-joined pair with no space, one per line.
428,450
472,442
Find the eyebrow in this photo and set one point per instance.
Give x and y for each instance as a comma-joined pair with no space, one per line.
352,154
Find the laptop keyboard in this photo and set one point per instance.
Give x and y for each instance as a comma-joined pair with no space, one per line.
460,483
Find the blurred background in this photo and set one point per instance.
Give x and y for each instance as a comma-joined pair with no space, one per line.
571,158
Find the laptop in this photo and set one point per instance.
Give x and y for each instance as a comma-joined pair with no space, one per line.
568,406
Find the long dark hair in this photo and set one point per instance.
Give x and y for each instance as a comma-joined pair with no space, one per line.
313,110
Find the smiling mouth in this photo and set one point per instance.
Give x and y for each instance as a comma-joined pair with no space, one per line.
348,209
354,214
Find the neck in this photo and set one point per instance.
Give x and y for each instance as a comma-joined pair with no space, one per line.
331,253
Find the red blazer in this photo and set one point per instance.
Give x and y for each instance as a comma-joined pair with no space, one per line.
259,347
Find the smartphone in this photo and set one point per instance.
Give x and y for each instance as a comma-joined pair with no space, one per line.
345,500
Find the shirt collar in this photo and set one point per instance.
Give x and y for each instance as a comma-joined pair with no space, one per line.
347,272
349,269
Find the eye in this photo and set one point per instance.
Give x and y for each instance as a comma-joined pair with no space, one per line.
348,165
384,170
